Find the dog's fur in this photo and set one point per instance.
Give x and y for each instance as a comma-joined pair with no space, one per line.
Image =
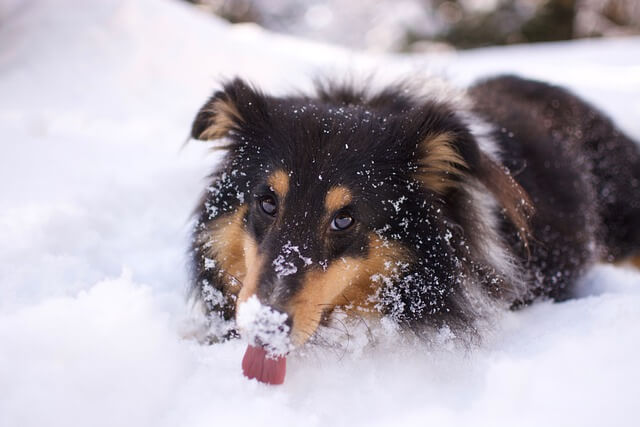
497,199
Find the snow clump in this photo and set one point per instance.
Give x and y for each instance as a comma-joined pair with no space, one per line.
264,326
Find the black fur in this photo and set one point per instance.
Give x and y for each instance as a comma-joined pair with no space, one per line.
582,174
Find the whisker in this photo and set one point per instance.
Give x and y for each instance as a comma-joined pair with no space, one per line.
350,310
353,311
344,352
317,338
233,277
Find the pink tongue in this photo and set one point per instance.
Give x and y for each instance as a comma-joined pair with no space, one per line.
256,364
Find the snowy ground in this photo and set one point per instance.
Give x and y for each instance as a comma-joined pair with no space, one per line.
95,198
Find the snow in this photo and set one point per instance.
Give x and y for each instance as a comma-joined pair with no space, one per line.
96,196
259,324
283,265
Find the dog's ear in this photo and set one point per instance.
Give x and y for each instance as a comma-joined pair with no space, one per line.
512,198
227,110
441,165
449,158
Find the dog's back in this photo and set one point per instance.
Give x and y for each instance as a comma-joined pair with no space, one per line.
582,174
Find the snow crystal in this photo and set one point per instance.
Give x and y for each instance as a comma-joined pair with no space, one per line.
209,263
213,296
283,265
261,325
396,203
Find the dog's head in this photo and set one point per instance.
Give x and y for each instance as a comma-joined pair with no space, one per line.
341,199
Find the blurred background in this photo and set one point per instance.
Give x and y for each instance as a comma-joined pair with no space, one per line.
428,25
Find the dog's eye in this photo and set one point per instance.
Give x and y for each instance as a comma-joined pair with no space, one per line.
268,205
342,221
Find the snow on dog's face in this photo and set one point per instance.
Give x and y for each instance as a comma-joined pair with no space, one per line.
340,200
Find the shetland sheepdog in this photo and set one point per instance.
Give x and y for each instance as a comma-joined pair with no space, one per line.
402,204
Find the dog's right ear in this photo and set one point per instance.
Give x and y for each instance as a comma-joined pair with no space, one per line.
225,111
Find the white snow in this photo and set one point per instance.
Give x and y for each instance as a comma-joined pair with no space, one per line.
260,324
283,265
95,201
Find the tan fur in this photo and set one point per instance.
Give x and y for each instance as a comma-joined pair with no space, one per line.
253,268
279,181
224,117
336,198
509,194
441,163
236,253
633,261
226,237
346,282
442,166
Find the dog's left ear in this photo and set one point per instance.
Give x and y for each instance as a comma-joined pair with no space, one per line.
450,158
227,110
441,162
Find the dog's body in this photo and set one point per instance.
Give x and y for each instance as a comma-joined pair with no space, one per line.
408,206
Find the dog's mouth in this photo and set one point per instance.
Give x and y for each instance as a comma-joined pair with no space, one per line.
268,333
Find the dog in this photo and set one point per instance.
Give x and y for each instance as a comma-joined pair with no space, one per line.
403,204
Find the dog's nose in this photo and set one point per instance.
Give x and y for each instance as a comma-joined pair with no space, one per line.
278,308
264,325
264,338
